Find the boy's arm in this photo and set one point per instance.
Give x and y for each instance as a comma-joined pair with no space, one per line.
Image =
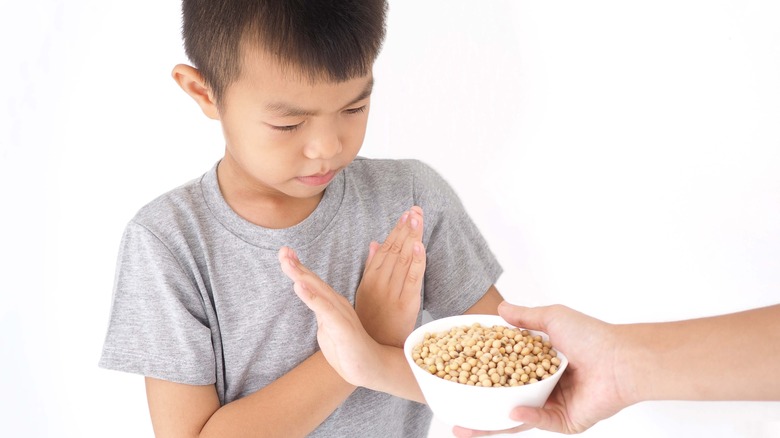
293,405
352,352
488,304
396,272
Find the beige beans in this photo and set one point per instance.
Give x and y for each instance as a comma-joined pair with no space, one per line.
487,356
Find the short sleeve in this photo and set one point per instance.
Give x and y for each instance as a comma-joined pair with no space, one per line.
460,265
158,325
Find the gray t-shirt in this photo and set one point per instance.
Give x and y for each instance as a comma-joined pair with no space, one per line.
199,297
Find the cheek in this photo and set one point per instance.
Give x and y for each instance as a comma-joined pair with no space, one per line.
354,134
255,142
238,135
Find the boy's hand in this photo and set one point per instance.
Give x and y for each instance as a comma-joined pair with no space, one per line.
388,297
341,336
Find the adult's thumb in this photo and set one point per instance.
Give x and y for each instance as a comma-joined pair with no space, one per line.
524,317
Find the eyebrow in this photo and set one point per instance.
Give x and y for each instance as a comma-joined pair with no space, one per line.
283,109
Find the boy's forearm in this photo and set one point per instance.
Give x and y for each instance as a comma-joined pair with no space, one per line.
729,357
293,405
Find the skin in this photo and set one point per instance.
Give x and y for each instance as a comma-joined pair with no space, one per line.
285,138
354,354
279,129
388,316
614,366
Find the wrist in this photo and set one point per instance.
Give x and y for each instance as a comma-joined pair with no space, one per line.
391,374
392,336
626,356
633,363
374,373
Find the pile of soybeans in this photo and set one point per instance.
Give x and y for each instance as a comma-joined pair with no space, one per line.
487,356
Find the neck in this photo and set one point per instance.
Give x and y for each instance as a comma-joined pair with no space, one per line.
260,206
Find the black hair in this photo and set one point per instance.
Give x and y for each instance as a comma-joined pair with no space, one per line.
334,40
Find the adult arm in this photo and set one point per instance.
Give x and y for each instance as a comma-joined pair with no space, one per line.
727,357
614,366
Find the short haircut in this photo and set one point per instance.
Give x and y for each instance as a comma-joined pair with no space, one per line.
332,40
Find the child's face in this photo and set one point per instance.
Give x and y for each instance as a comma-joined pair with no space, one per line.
286,136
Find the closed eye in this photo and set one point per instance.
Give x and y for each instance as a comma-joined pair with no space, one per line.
287,128
356,110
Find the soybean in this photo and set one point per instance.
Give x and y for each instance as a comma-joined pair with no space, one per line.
487,356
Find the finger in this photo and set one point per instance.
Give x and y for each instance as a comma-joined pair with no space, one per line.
399,232
394,241
462,432
379,255
284,256
315,301
525,317
401,264
400,242
415,274
540,418
417,230
291,266
297,272
416,222
385,260
372,249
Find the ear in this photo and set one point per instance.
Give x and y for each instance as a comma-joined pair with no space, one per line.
191,81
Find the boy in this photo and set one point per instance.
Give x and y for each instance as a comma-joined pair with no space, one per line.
201,305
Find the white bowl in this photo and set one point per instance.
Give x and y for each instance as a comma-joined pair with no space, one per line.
476,407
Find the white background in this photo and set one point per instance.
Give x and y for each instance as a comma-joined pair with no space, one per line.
622,158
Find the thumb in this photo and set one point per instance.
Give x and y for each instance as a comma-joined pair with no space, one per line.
524,317
540,418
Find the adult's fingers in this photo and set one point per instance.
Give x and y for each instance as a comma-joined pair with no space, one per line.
534,318
544,419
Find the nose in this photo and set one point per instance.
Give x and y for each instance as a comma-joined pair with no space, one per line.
323,144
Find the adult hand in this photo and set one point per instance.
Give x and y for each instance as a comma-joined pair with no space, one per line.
590,389
388,297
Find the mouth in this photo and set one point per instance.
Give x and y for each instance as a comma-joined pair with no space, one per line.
318,179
